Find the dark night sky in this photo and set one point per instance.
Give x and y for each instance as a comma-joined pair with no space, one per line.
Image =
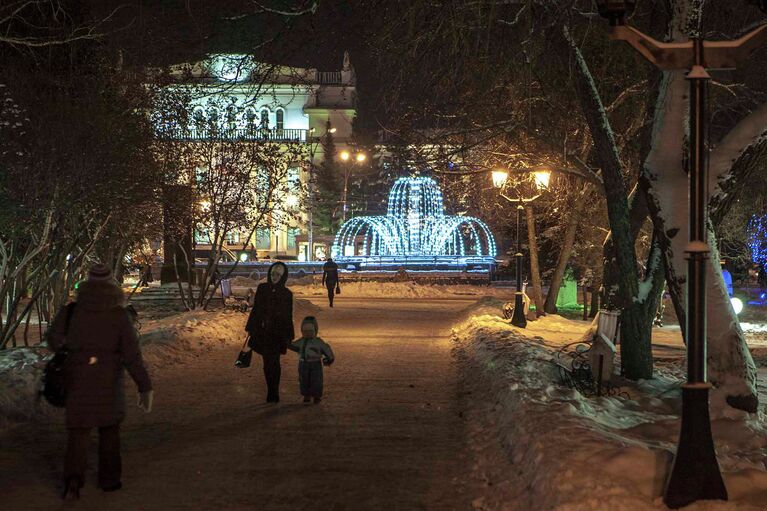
157,32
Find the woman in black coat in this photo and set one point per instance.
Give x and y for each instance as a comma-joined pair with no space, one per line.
330,278
270,326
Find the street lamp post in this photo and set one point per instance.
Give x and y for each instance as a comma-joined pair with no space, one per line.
695,473
312,151
346,157
541,179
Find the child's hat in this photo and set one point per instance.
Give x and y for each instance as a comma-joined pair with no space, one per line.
313,321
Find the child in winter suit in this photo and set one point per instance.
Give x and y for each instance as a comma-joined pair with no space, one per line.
313,352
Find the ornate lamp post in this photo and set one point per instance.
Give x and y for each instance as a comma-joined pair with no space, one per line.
541,179
315,142
358,158
695,474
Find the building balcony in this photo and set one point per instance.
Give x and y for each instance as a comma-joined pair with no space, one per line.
254,134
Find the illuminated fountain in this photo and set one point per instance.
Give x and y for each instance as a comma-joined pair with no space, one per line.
415,232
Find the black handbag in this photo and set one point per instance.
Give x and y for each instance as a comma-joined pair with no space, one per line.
53,376
338,289
244,358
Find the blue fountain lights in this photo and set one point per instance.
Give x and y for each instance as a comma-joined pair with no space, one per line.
416,227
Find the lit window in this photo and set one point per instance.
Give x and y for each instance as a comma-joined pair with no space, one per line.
249,119
198,117
213,118
263,239
294,178
231,117
292,233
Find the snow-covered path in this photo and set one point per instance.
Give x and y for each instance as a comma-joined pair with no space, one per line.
388,435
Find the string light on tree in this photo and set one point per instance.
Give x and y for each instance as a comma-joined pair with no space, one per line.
757,238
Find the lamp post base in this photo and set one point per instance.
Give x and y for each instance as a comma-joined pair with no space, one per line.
695,473
519,319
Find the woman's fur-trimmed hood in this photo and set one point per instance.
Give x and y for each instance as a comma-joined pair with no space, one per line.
99,295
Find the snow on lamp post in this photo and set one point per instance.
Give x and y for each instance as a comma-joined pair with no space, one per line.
695,473
541,180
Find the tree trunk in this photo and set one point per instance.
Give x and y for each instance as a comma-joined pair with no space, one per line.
636,349
535,271
730,365
550,307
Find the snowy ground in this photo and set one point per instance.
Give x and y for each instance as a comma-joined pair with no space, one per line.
391,433
405,425
611,453
311,287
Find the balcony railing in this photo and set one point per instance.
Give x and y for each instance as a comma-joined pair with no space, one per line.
256,134
329,77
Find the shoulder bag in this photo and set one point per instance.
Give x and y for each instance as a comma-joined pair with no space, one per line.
53,376
244,358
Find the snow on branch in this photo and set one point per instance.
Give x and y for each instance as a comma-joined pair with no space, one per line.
748,132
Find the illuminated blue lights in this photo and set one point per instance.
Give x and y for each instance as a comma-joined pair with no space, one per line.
415,225
757,238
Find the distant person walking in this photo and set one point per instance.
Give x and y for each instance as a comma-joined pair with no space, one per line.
313,353
330,279
270,326
146,276
99,335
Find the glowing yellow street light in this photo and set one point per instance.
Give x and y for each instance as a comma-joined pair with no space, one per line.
345,155
499,178
360,157
542,178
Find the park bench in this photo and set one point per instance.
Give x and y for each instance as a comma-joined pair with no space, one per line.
587,365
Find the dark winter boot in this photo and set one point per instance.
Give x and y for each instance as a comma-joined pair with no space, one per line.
72,489
307,399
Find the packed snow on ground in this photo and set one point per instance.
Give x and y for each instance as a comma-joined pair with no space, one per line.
309,286
164,341
607,453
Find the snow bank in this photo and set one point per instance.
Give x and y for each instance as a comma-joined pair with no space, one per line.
20,372
307,287
574,453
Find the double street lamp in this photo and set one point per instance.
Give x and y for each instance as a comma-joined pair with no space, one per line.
541,179
695,473
349,159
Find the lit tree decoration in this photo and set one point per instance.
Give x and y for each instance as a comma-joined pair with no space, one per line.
757,238
415,225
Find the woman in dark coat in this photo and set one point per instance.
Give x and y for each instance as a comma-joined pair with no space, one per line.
270,326
330,278
102,343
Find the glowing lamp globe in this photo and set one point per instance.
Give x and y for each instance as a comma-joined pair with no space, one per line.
243,257
542,178
499,178
345,155
361,157
615,11
737,305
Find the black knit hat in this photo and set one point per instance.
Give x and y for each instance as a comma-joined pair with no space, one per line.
313,321
99,273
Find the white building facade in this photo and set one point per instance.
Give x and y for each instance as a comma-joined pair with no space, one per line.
233,96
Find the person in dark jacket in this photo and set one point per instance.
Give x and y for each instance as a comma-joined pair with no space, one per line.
330,278
102,342
270,326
